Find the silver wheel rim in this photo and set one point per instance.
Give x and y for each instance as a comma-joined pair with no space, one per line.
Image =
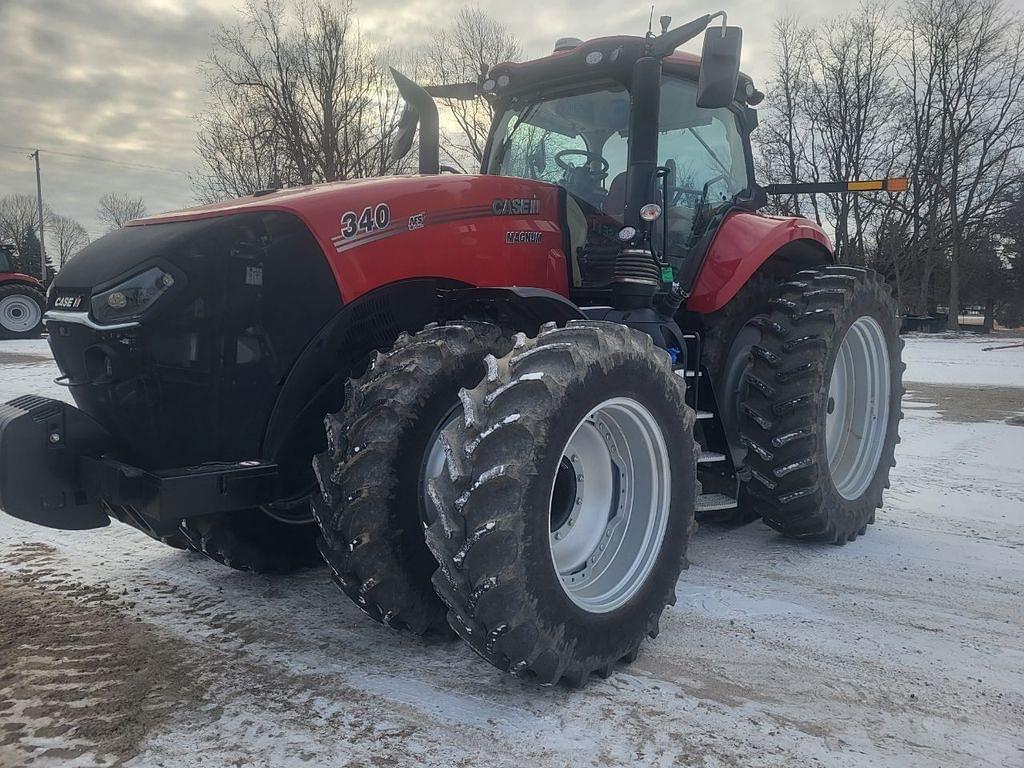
19,314
609,505
857,412
433,464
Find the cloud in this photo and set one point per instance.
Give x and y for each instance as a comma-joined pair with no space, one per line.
120,80
108,79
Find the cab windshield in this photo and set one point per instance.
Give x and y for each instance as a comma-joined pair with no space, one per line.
5,261
579,138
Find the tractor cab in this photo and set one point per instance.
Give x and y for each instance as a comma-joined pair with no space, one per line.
577,136
649,145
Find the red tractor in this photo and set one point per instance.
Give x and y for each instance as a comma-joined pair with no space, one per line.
532,379
21,301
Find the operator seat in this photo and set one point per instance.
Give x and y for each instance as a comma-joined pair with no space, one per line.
615,201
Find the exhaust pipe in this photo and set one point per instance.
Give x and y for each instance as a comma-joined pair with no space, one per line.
420,108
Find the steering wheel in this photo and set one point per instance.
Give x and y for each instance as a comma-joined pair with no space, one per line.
591,157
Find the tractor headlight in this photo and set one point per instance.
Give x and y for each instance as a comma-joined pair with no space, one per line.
131,298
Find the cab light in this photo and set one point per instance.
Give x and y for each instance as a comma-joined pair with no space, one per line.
650,212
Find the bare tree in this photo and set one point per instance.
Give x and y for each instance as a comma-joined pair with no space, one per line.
296,96
980,81
851,100
782,139
115,209
465,48
68,236
237,140
19,215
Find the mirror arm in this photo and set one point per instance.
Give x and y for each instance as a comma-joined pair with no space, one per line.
665,44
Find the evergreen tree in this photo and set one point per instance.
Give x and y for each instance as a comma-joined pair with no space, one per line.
29,253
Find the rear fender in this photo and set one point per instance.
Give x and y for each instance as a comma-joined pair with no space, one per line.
20,279
743,244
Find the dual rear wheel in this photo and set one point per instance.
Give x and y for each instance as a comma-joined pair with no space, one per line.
555,481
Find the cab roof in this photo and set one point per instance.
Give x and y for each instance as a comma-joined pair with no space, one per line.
612,56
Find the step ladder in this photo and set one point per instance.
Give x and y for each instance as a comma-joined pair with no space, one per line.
715,471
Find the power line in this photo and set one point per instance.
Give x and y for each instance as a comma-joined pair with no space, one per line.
93,158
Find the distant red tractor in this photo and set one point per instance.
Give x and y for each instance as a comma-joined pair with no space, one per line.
532,379
21,301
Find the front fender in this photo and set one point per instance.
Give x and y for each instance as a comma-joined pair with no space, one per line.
743,243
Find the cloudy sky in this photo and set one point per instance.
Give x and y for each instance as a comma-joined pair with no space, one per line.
117,80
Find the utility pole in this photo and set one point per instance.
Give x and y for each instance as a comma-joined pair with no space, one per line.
39,201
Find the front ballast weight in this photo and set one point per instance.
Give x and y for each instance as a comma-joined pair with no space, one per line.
57,469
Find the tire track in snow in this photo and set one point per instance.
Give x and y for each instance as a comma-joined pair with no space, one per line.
81,683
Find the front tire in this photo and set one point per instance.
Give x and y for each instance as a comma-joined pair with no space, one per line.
567,502
382,447
821,410
252,540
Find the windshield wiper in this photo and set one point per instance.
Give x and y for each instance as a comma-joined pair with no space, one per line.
710,151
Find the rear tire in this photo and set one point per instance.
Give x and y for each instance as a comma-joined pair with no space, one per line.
371,506
527,457
251,540
816,476
21,311
729,335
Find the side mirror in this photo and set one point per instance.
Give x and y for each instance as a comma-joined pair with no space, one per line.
719,67
405,134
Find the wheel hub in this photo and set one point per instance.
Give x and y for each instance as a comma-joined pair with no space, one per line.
857,413
609,505
433,464
19,314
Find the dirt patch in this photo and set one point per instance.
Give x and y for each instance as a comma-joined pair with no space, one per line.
79,678
970,404
20,358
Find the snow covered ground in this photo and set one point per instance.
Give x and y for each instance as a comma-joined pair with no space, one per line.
963,361
902,649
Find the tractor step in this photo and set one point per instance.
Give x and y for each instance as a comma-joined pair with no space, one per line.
710,457
704,415
713,502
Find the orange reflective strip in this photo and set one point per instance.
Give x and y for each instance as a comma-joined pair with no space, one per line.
864,186
898,184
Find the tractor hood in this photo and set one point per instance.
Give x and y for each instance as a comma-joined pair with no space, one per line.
371,232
